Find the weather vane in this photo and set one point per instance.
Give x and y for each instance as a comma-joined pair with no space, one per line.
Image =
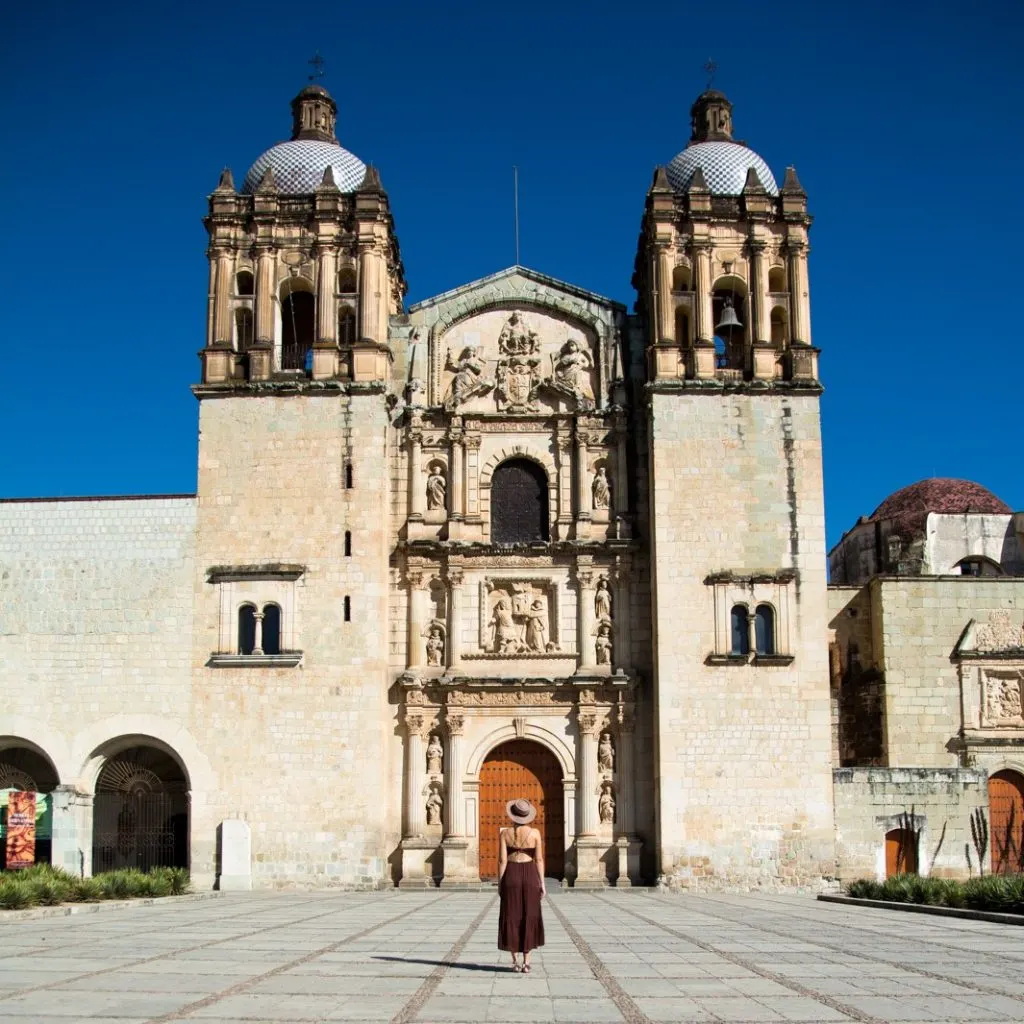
711,67
318,66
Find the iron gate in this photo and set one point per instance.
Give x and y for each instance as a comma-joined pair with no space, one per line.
139,830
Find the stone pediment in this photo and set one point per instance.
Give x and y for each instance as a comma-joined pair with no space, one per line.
519,343
1002,636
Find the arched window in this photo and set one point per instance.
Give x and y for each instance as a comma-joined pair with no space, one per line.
979,565
346,326
297,319
681,279
764,629
243,329
271,629
519,503
347,280
247,629
243,282
740,621
731,323
777,279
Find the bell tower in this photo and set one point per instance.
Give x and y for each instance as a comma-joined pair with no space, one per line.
290,646
736,516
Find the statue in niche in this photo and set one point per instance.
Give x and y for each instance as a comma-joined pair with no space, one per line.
606,753
437,489
469,379
603,599
571,375
537,627
506,631
603,644
435,755
434,805
435,644
601,488
606,803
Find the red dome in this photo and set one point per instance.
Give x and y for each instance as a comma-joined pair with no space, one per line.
943,495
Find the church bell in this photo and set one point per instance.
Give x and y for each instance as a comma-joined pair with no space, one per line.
729,321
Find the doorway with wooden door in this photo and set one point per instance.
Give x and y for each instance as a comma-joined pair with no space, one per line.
522,768
1006,814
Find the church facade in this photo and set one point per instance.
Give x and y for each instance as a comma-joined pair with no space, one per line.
511,540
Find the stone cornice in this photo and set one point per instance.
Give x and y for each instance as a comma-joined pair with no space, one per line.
454,549
300,386
745,387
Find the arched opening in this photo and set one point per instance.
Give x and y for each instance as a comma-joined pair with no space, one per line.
140,811
777,279
1006,822
244,283
297,325
779,327
346,326
731,320
900,852
739,630
243,329
519,503
764,630
522,768
347,280
681,279
979,565
271,629
683,326
25,770
246,629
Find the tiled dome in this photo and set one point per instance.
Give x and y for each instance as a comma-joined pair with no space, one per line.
944,495
725,166
299,166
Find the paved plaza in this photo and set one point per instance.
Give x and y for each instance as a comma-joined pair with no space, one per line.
431,956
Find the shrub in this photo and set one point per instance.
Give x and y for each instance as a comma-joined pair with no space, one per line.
180,882
1000,893
864,889
899,889
15,894
88,890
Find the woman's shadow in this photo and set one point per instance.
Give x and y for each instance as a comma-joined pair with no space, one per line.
447,963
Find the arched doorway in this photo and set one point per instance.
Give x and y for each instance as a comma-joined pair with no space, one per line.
27,770
140,811
900,852
522,768
1006,817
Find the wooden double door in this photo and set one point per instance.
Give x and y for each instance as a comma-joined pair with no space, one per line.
1006,814
522,768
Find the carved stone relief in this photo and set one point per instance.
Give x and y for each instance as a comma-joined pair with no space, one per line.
601,488
518,374
571,375
1003,702
517,617
603,599
435,634
606,753
999,633
606,803
435,755
469,379
603,644
437,488
435,803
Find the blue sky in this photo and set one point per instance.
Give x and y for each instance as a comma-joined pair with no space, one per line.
903,120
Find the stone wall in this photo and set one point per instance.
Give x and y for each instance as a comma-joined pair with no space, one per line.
308,754
743,749
869,802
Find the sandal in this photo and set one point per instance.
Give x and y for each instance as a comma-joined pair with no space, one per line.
526,968
516,967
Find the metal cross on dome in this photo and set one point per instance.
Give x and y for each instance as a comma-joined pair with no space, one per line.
710,67
318,66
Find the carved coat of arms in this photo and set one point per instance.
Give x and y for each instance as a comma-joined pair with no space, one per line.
518,376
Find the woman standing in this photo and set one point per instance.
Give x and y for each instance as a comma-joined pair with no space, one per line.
520,884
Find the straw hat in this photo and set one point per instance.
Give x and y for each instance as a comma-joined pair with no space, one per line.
522,812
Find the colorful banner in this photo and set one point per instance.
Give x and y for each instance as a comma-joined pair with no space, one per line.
21,830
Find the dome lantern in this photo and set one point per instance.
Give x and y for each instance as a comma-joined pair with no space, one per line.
314,114
711,118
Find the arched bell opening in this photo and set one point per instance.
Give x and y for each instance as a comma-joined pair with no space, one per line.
244,330
298,324
683,336
140,808
731,317
347,280
779,323
25,768
682,279
244,283
777,280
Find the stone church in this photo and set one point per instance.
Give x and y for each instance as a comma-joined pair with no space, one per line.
513,540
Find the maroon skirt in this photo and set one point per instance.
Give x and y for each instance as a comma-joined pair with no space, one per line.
520,925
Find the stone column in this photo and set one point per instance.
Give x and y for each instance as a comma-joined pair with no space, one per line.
666,304
417,491
223,332
454,640
582,490
415,814
368,299
625,784
565,484
257,643
704,328
796,259
456,495
211,301
588,721
586,585
760,328
265,297
416,652
618,583
327,311
455,811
